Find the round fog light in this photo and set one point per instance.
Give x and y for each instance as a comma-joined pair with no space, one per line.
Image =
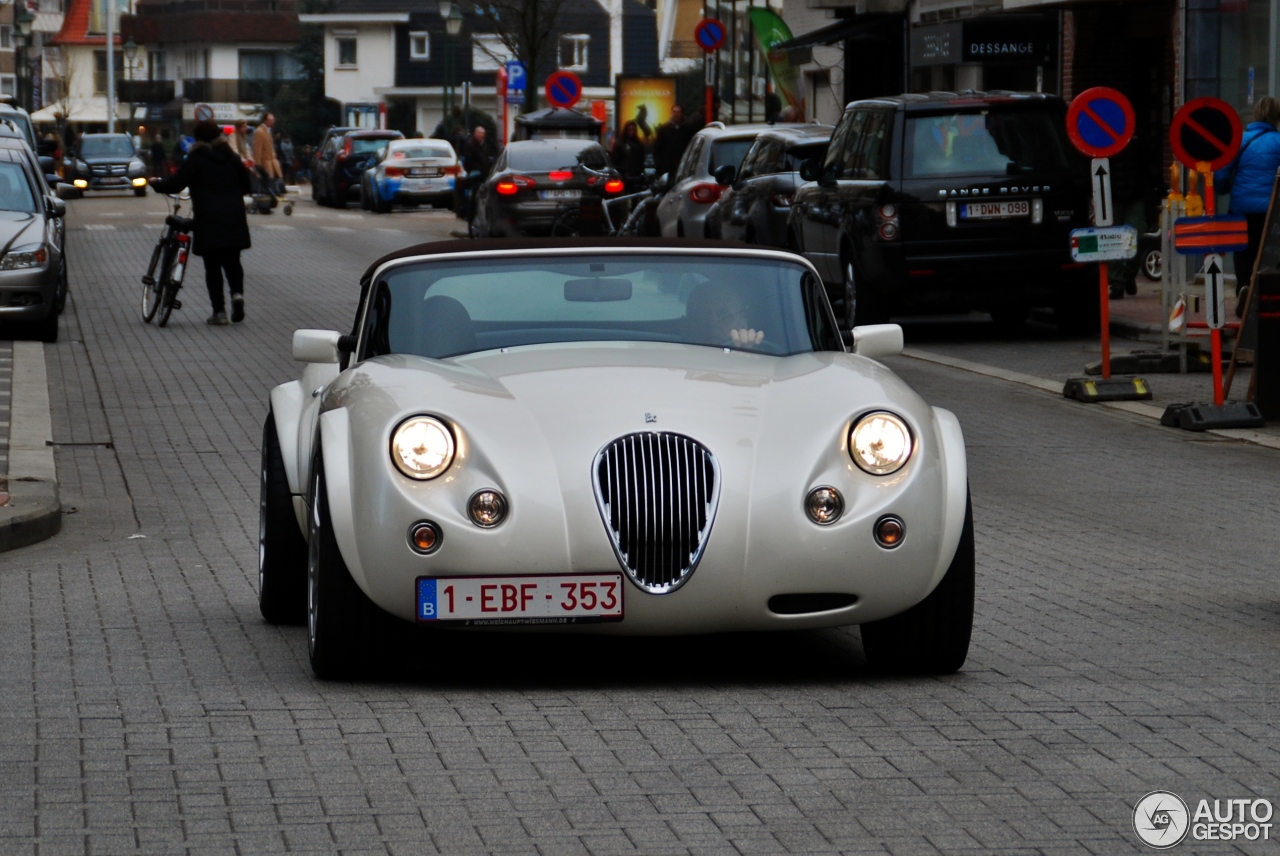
824,505
488,508
424,537
889,531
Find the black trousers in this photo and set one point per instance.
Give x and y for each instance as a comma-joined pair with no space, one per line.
215,263
1244,260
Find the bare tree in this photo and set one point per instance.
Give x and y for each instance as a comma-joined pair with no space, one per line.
64,65
530,31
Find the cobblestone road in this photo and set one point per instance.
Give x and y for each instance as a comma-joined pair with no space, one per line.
1126,640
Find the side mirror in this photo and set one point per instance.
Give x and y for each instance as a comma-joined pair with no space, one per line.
877,340
810,169
57,208
68,191
316,346
662,184
724,175
48,165
381,153
52,180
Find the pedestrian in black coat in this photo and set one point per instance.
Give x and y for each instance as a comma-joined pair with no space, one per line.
219,182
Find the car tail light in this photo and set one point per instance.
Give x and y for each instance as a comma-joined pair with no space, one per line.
346,148
887,226
514,184
592,179
456,169
560,175
704,194
613,185
393,171
506,188
781,200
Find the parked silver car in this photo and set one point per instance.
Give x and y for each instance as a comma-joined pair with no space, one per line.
693,189
33,270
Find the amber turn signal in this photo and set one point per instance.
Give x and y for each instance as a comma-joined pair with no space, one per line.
424,537
889,531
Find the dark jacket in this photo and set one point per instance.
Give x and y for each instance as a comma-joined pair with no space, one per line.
628,157
1253,172
219,182
668,147
477,157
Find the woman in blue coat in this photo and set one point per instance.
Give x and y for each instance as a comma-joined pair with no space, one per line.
1249,179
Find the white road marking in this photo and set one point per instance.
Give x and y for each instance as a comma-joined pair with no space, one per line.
278,227
99,227
337,229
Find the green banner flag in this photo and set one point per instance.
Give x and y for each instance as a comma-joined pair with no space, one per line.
771,31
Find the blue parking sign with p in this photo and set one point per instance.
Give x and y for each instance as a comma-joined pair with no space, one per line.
516,75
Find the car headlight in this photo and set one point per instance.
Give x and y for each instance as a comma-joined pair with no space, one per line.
27,256
880,443
422,447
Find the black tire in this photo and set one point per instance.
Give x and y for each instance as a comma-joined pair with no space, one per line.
339,615
282,551
379,205
48,329
860,305
139,191
931,637
1010,319
1076,311
168,291
566,224
64,288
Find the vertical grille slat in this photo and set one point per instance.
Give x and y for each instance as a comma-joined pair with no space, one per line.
657,493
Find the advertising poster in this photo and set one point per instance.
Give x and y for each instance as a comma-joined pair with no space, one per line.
647,101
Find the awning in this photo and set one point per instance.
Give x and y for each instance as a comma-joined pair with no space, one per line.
834,33
93,111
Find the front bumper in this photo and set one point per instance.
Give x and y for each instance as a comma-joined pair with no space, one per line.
27,295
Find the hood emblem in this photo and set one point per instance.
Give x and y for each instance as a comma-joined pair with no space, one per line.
650,417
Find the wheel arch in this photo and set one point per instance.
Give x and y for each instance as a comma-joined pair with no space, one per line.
955,469
334,450
286,405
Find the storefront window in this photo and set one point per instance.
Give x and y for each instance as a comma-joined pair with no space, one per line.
1244,74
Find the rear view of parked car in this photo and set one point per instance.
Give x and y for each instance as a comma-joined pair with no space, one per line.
410,172
756,202
693,189
343,160
534,180
107,162
948,203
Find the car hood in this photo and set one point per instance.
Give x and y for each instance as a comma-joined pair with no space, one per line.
557,405
18,228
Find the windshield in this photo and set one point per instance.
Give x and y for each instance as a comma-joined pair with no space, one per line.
988,142
445,309
106,147
728,151
546,158
444,150
15,190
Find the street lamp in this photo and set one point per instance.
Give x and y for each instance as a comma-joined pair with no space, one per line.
130,51
452,26
22,23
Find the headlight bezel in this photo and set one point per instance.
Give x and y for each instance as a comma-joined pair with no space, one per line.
429,421
25,257
864,422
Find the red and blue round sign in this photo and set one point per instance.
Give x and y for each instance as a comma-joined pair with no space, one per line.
1100,122
1205,130
564,89
709,34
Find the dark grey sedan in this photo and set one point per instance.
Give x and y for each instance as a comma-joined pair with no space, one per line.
33,271
757,203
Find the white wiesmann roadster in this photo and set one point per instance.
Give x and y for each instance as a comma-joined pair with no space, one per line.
610,437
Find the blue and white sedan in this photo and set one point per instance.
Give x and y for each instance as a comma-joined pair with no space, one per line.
411,172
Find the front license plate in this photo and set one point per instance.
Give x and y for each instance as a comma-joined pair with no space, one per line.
561,599
995,210
559,194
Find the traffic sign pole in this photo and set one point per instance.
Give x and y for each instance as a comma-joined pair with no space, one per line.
1215,308
711,87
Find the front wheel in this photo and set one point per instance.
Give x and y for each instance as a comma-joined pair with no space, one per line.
1153,264
339,615
139,191
282,551
931,637
168,288
861,305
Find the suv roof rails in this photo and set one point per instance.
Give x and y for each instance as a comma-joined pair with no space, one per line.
716,124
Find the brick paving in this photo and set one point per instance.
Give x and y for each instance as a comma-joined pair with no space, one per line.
1125,640
6,412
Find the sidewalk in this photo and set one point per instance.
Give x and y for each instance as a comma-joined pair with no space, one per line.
29,506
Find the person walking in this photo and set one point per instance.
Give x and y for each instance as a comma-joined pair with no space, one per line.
240,142
628,156
157,157
477,159
219,181
668,145
264,153
1249,179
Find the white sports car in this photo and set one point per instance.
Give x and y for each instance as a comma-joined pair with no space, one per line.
610,437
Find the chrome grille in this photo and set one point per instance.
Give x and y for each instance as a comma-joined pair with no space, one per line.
657,494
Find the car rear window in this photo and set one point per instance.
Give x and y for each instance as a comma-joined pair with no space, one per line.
985,142
538,158
365,145
728,151
444,150
448,308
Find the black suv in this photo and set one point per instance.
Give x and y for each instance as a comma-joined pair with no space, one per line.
948,202
341,162
107,162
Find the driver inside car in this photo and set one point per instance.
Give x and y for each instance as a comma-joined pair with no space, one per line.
720,314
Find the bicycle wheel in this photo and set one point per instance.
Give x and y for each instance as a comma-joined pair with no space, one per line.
166,286
151,288
566,224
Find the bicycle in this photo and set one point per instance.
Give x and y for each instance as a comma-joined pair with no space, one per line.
568,223
160,294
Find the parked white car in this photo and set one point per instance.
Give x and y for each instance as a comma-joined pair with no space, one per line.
640,439
693,189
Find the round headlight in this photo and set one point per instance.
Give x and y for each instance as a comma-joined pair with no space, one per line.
488,508
880,443
422,447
